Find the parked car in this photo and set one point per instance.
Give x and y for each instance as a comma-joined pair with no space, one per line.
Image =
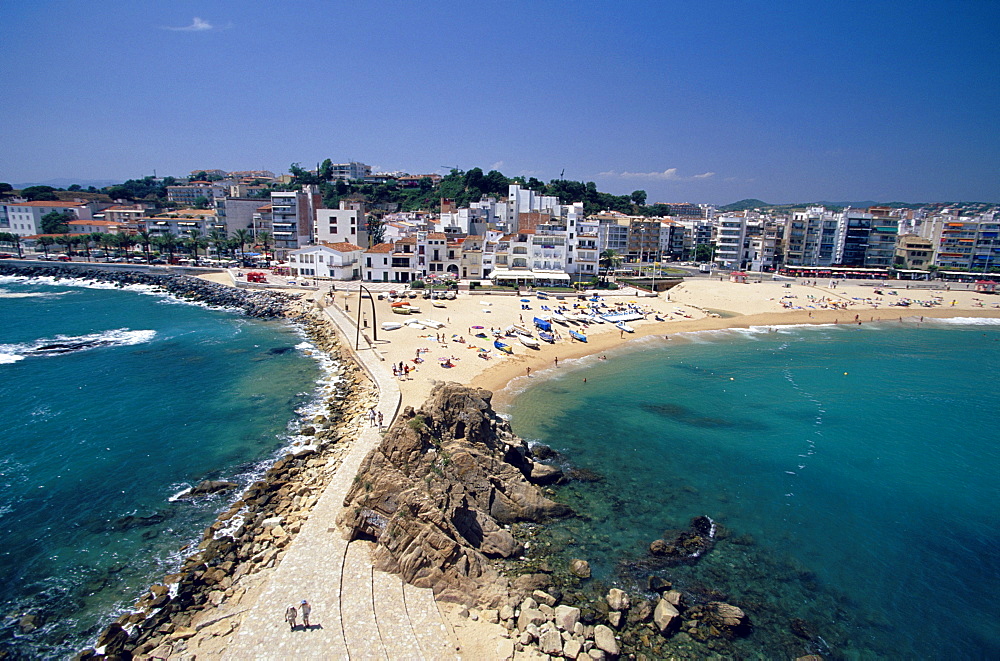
64,258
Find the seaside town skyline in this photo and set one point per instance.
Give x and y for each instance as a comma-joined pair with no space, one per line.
705,104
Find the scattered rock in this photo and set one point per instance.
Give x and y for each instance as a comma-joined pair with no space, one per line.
617,599
665,617
579,568
604,638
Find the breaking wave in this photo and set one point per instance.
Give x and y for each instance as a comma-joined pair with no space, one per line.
62,344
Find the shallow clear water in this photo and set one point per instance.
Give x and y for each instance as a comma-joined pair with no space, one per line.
96,441
854,468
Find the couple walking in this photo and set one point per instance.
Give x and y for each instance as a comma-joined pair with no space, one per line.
291,615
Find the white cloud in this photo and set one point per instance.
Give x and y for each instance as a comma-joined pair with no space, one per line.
669,174
497,166
197,25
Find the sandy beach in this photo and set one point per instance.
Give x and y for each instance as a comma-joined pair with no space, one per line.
695,305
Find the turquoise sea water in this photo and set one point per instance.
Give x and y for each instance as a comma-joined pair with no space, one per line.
95,442
854,471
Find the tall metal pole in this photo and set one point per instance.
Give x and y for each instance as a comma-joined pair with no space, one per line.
357,335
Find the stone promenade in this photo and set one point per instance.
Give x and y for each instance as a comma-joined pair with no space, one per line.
357,613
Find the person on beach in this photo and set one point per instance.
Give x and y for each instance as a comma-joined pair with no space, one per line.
557,361
290,616
527,371
306,609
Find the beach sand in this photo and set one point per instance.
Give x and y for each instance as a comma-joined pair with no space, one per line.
696,305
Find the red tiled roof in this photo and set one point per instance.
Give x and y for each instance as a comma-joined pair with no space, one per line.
381,247
46,203
343,246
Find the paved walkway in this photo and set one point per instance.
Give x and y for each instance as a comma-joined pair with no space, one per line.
357,612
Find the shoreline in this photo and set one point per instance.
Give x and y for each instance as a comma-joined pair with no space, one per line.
500,376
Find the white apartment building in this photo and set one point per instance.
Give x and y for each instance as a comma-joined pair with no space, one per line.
336,261
292,217
346,224
730,236
351,171
25,218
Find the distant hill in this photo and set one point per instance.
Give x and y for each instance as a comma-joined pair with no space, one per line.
66,183
743,205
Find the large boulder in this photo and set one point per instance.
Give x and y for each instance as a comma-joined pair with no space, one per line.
666,617
604,638
617,599
579,568
439,489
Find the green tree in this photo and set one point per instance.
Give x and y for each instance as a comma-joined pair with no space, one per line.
242,238
704,252
219,239
95,238
109,242
125,241
264,239
72,242
376,231
39,194
56,222
201,202
325,171
639,198
166,243
13,240
145,239
5,189
610,260
194,241
45,242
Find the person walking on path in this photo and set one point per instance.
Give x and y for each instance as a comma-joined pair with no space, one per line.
290,617
306,609
371,417
380,420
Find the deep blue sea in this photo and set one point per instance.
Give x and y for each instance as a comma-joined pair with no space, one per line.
855,472
95,442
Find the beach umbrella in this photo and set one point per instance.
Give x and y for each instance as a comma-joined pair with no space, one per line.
479,327
526,300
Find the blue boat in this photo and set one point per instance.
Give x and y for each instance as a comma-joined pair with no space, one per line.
502,347
544,325
578,336
548,337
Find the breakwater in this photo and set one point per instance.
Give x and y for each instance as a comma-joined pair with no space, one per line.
257,304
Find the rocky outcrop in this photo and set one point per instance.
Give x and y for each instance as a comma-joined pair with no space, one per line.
439,493
686,545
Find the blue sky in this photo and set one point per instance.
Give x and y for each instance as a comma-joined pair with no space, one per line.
690,101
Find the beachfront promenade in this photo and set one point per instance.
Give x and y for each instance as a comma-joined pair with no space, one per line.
357,612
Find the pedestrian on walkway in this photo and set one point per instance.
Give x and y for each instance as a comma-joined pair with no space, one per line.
290,617
306,609
380,420
371,417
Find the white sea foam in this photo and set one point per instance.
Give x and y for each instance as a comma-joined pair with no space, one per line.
970,321
62,344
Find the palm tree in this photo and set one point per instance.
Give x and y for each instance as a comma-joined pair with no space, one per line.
96,238
264,239
125,241
242,237
45,242
108,242
168,243
14,240
218,237
72,242
145,239
196,241
610,260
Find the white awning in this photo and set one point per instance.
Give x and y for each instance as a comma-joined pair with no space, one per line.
500,274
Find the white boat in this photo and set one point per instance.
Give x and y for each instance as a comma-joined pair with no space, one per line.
621,325
529,342
415,324
558,317
438,304
391,325
430,323
521,330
